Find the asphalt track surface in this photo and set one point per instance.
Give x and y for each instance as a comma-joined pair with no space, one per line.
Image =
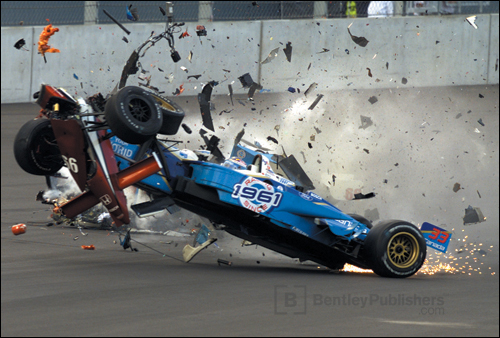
51,287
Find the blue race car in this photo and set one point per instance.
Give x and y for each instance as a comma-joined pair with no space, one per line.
111,143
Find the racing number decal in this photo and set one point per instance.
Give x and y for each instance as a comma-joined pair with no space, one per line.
443,236
436,237
70,163
349,193
256,195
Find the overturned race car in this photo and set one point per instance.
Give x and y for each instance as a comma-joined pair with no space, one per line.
111,143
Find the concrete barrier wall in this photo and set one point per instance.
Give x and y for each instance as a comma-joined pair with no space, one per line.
427,51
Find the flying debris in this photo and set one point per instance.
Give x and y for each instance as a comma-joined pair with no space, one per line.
239,136
271,56
195,76
125,243
116,21
201,31
362,196
212,146
311,88
270,138
188,252
18,229
19,44
143,77
255,144
311,107
202,236
125,39
184,34
473,215
480,121
246,80
132,13
221,261
359,40
230,87
43,41
288,51
186,128
184,69
252,90
225,111
304,156
472,21
204,101
365,122
372,99
178,91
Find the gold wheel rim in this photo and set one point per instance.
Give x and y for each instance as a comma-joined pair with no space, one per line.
165,104
402,250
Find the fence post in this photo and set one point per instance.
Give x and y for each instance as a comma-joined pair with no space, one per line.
90,13
399,8
205,11
320,9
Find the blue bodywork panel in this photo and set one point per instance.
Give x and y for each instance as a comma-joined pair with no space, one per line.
305,213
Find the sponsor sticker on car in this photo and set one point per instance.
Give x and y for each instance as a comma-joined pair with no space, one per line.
256,195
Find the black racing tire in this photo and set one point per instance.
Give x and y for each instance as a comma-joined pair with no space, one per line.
395,249
172,114
133,115
361,219
36,150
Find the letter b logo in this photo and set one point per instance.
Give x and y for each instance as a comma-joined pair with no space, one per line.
289,299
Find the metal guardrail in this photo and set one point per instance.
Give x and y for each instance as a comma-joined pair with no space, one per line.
31,13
